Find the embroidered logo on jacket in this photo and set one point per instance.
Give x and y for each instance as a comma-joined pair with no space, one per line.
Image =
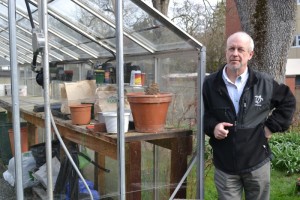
258,100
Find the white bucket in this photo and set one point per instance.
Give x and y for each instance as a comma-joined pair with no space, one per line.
111,121
101,118
22,90
2,90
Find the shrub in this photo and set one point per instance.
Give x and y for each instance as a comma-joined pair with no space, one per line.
286,151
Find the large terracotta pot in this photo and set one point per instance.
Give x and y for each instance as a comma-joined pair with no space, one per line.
149,112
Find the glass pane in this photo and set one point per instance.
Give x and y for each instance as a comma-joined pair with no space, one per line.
3,10
3,25
141,24
105,12
83,19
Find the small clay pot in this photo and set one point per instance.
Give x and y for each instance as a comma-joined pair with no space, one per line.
81,114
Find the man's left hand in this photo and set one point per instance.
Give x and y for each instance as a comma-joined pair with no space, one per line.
268,133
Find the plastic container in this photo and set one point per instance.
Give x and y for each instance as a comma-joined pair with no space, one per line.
101,118
3,117
2,90
68,75
5,150
99,76
135,78
22,90
111,121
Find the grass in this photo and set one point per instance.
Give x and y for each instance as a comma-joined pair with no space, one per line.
283,186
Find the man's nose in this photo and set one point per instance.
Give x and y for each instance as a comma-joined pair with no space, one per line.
235,52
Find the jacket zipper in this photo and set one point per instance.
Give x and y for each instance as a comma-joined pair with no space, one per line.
243,106
244,111
266,149
235,126
234,141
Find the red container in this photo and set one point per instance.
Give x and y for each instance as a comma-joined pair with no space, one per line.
24,140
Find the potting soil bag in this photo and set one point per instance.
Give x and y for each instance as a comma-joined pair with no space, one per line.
28,166
74,93
107,99
41,173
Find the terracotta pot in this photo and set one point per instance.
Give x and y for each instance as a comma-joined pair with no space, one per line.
24,140
149,112
81,114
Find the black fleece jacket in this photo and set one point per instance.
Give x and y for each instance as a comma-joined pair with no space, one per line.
263,102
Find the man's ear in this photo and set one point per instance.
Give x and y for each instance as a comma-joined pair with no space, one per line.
251,54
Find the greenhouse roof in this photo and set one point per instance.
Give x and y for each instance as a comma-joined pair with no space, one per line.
85,29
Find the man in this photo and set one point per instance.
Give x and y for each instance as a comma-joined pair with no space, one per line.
242,108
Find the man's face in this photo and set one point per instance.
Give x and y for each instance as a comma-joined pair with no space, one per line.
238,53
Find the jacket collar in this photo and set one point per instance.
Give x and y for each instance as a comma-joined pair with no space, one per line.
252,79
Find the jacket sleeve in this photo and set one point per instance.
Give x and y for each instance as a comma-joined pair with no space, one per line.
283,105
209,121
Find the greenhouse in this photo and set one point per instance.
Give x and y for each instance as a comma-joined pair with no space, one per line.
58,55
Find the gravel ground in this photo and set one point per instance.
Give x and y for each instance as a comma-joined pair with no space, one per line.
7,192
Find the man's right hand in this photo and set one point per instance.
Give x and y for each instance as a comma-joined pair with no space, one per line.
220,131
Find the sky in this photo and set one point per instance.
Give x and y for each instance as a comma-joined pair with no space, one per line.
212,2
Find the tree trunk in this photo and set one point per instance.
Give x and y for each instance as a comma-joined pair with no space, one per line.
161,5
271,23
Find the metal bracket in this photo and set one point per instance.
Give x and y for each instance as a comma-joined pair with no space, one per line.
38,42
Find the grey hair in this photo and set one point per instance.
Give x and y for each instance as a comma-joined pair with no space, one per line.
244,34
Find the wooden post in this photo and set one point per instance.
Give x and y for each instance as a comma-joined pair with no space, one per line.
32,134
133,170
179,153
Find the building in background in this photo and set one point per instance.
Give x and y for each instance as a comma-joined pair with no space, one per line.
293,62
